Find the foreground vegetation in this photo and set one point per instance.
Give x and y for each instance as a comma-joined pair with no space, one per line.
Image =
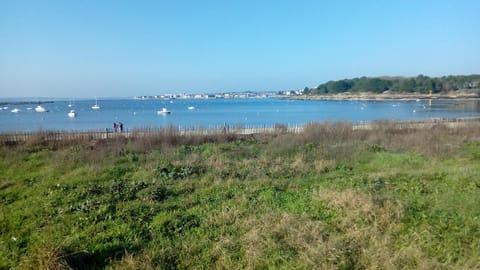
329,198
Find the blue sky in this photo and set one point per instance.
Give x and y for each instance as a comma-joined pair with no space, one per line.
85,48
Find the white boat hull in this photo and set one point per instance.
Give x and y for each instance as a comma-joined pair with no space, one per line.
164,111
40,109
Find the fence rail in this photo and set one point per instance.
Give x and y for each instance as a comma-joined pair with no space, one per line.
16,137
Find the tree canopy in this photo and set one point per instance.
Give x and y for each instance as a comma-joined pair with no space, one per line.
420,84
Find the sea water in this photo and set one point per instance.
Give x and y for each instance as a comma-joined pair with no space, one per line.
214,113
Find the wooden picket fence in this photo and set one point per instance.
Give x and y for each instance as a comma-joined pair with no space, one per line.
16,137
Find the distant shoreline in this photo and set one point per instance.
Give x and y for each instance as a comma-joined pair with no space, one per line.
9,103
387,96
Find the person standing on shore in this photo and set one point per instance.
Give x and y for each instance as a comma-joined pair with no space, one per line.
115,127
225,128
121,127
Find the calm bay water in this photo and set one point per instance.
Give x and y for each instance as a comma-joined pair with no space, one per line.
210,113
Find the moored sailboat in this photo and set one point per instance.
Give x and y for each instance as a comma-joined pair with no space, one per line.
95,107
72,114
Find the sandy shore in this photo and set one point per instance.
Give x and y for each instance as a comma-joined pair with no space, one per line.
388,96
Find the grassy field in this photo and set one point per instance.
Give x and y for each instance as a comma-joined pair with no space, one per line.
329,198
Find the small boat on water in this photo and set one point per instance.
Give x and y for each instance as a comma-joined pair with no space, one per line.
95,107
40,109
72,114
16,110
163,111
191,107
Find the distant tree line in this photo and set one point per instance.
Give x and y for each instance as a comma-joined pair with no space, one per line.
420,84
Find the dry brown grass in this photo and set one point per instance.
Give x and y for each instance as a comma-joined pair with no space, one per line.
328,132
369,230
132,261
306,243
363,235
141,140
280,128
47,257
430,138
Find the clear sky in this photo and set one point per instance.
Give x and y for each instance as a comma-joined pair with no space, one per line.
85,48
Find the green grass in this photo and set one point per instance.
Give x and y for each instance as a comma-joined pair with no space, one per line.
279,201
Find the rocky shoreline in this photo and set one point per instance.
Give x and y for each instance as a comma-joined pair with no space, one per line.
388,96
12,103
